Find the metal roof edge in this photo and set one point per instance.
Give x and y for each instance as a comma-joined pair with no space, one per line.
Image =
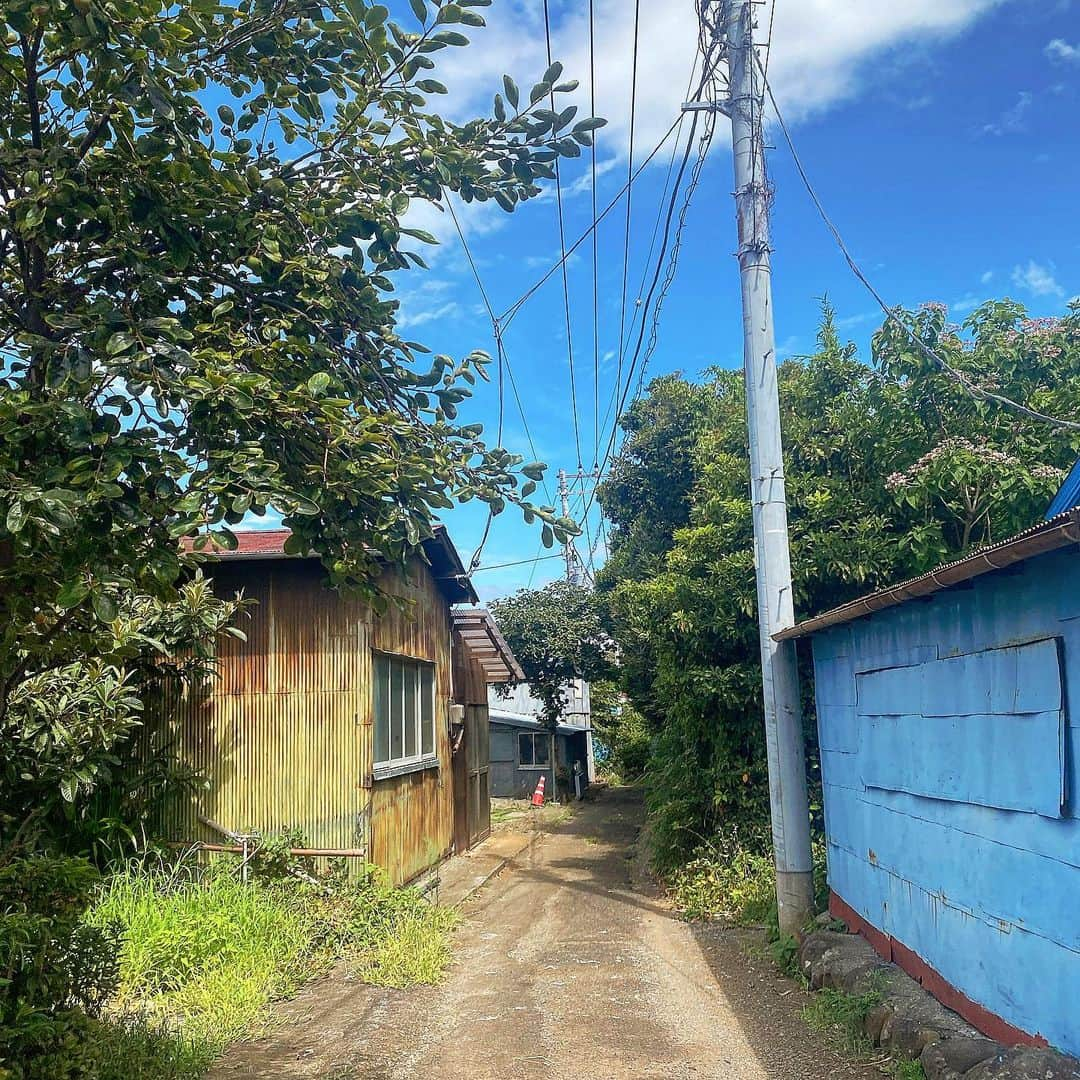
1052,535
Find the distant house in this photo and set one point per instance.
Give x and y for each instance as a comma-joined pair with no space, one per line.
523,748
949,722
364,732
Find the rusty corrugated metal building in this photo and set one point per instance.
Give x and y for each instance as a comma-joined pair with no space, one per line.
337,722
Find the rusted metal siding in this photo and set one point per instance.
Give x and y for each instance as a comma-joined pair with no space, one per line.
285,737
412,815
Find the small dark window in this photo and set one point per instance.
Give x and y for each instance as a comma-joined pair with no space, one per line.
534,749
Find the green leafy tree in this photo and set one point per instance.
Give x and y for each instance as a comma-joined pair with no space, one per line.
204,215
891,469
557,633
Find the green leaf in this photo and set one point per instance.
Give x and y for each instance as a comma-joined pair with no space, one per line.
512,93
119,342
450,37
547,537
419,8
104,606
72,593
318,383
552,74
16,517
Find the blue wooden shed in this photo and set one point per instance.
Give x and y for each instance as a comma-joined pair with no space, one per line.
949,724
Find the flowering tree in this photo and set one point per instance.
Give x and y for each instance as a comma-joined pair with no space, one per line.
962,483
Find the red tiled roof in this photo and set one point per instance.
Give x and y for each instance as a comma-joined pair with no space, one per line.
249,542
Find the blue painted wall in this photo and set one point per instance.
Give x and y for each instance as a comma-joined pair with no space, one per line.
950,735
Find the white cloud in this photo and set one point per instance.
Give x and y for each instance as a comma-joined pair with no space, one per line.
987,277
965,304
848,322
820,49
1037,279
1061,51
1013,119
410,319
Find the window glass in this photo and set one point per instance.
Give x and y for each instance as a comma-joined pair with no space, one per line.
411,674
397,710
403,703
541,745
525,749
427,709
380,671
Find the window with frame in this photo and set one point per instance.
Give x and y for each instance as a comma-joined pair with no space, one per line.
534,749
403,700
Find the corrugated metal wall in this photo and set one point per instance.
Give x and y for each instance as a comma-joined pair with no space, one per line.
950,737
285,737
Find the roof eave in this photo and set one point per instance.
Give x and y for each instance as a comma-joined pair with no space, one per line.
1057,533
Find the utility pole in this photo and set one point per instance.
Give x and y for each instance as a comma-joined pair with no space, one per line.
575,568
780,680
568,548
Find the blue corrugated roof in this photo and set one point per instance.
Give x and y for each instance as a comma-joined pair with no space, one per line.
1068,496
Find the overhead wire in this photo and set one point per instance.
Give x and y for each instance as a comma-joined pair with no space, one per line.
710,82
891,314
595,269
506,317
516,562
505,371
562,263
629,195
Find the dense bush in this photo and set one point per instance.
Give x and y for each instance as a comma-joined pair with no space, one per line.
891,468
56,975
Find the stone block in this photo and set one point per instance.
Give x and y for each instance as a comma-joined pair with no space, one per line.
951,1059
905,1037
1026,1063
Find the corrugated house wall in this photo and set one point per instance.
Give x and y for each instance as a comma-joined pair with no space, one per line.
285,735
950,739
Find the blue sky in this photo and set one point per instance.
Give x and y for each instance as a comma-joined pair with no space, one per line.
942,136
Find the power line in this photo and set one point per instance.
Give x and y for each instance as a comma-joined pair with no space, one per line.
517,562
629,194
710,60
562,262
506,317
595,275
504,367
656,276
890,313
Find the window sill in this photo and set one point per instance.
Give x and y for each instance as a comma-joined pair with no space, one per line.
534,768
389,771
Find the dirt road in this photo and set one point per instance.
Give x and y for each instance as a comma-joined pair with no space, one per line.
568,966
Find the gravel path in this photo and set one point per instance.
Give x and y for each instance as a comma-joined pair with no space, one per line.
569,965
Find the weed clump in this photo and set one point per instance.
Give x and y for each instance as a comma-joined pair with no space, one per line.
203,953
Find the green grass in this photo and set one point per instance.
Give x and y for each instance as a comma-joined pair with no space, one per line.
204,955
840,1018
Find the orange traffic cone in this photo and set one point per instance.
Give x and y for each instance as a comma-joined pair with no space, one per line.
538,794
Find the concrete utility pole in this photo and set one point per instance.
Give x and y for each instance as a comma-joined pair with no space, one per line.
783,718
568,547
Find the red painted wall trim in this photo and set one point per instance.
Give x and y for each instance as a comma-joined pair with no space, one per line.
886,946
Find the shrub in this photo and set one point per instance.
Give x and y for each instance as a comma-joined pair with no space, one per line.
727,879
